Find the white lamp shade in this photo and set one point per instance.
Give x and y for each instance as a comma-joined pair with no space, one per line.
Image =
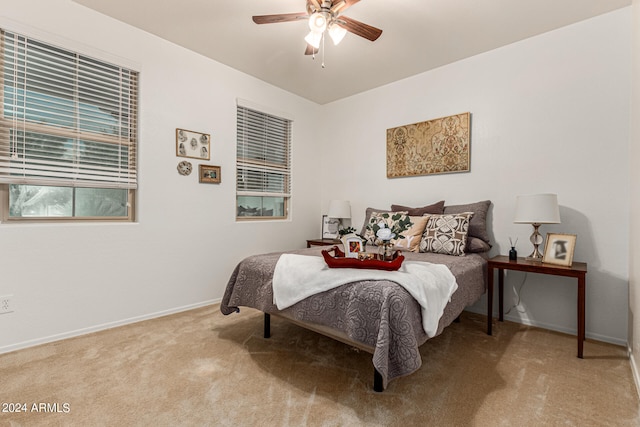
537,209
337,33
318,22
339,209
313,39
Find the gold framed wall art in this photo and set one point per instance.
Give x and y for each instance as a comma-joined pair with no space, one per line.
209,174
432,147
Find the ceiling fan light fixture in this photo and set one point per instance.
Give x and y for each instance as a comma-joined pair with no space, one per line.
337,33
318,22
314,39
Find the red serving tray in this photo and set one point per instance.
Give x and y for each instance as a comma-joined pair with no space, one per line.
339,261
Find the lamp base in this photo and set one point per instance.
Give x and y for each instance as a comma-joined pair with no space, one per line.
536,239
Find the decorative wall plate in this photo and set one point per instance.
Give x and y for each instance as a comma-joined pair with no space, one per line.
184,168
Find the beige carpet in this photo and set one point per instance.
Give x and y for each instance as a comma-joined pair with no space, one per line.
201,368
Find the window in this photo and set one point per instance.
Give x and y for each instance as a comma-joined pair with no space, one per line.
263,168
68,135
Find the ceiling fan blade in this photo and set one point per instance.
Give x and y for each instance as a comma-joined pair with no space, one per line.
283,17
359,28
337,5
348,4
314,3
310,50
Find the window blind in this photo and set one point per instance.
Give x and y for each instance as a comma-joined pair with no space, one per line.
66,119
263,154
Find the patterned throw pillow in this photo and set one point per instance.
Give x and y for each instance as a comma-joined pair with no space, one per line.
446,234
413,235
386,217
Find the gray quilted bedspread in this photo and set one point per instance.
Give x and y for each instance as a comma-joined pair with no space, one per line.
379,314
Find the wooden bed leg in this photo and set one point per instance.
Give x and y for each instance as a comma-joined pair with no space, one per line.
267,325
377,381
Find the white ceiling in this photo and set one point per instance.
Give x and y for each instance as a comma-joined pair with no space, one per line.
418,35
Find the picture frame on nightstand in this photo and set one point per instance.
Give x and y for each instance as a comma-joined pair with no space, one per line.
330,227
559,249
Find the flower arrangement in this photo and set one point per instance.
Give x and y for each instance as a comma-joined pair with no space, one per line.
386,226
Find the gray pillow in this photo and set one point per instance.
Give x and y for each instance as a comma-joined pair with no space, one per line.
436,209
478,224
475,245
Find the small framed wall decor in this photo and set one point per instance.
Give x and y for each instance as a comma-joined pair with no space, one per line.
209,174
193,144
559,249
352,245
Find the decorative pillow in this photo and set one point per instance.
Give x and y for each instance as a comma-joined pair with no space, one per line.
412,236
446,234
475,245
436,208
367,218
478,224
376,217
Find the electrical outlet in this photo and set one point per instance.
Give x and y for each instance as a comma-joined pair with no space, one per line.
6,304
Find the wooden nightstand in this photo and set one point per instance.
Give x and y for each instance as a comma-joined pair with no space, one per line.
501,262
322,242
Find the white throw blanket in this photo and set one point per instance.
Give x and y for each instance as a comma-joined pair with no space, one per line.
297,277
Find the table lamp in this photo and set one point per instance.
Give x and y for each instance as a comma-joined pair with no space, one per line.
537,209
339,209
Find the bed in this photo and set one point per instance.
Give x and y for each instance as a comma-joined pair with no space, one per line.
377,316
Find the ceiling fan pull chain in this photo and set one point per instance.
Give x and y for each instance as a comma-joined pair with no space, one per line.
323,50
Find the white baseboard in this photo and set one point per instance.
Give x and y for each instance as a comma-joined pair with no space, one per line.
634,370
96,328
553,327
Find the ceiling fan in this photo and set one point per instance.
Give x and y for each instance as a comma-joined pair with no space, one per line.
324,15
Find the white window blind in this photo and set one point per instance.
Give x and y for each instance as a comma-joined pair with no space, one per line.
263,154
67,119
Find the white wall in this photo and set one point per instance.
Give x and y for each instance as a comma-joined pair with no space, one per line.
70,278
549,114
634,235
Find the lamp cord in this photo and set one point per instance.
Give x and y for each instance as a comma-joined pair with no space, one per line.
524,279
